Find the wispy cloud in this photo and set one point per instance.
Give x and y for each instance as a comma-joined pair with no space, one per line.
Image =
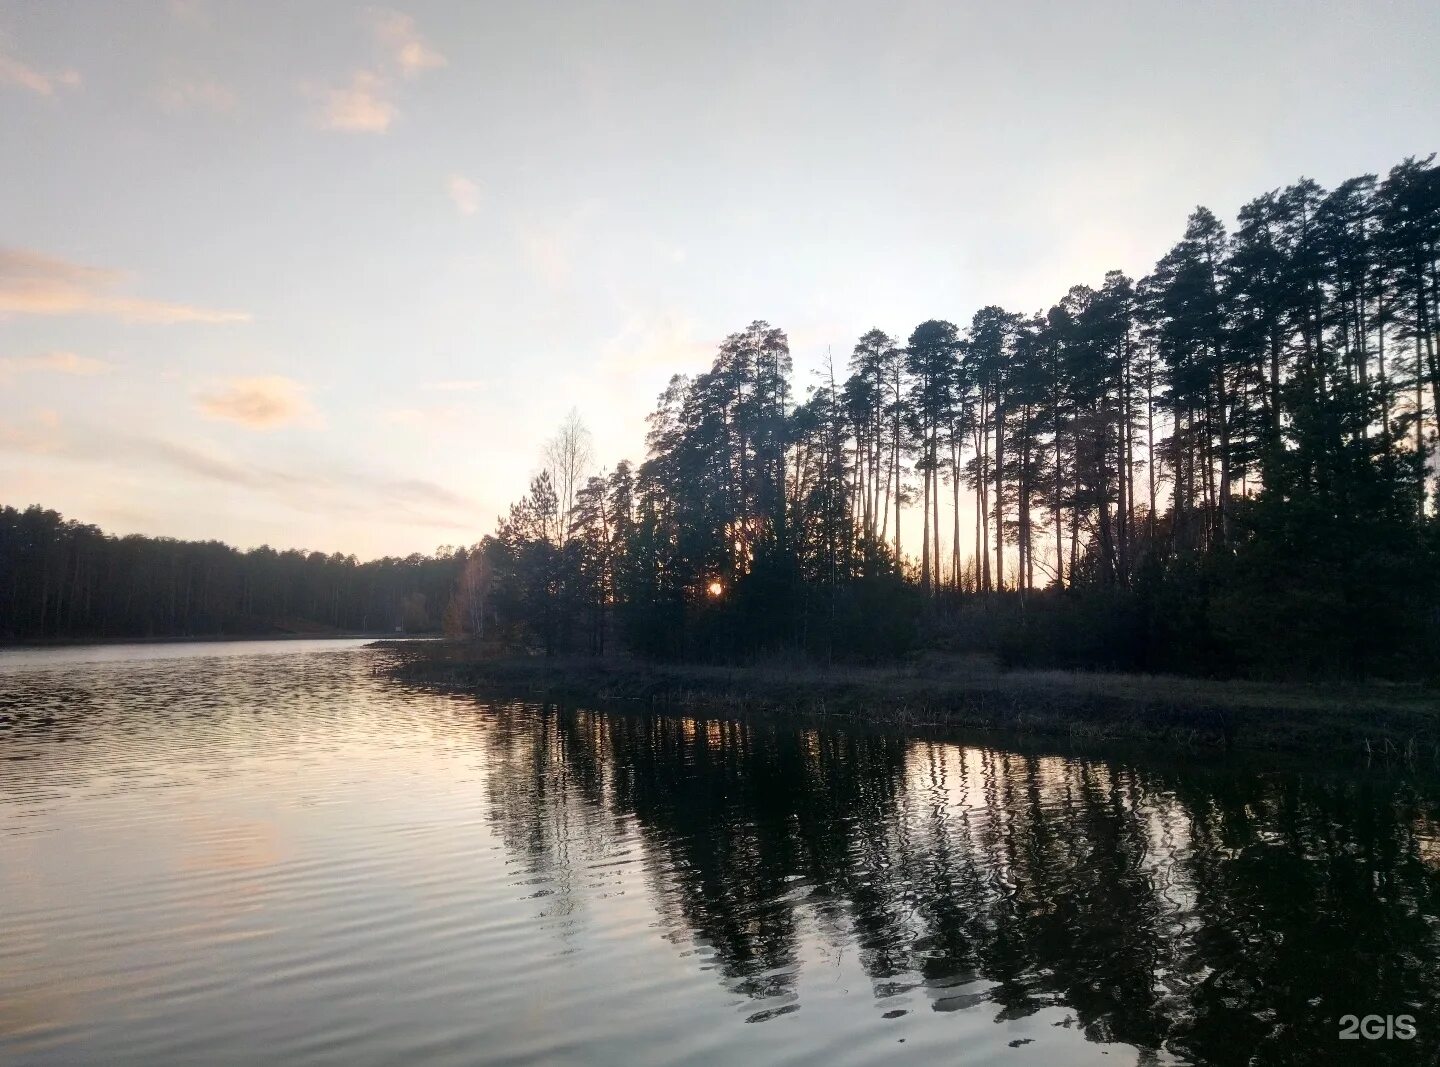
37,434
665,339
363,106
430,416
51,363
211,466
456,385
406,49
259,403
181,96
21,75
420,491
32,283
464,193
316,486
367,103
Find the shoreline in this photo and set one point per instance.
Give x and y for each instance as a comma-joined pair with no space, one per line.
1386,722
192,639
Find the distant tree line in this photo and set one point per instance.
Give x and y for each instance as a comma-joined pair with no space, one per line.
1224,467
64,579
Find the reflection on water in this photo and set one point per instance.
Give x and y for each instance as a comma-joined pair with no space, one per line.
274,855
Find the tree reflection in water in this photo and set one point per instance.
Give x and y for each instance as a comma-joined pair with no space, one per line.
1217,915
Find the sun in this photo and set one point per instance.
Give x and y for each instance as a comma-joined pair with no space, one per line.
715,588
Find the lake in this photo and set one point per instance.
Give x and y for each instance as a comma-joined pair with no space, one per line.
266,852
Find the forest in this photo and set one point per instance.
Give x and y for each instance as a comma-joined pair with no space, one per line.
64,579
1225,468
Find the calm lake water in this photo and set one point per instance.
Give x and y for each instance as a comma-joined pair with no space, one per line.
264,853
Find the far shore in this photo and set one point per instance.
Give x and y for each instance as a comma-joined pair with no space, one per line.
71,642
1372,721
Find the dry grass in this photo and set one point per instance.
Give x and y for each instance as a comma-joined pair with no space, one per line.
971,692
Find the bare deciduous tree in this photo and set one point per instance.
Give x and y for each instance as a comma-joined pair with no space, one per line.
568,458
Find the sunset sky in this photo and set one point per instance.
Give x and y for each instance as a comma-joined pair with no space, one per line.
327,275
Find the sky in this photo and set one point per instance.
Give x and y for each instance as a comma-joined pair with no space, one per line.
327,275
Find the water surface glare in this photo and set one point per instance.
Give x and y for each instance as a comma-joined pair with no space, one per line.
238,853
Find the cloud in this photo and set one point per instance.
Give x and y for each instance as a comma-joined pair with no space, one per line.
363,106
665,340
419,491
51,363
424,417
43,83
313,486
405,48
32,283
180,96
209,466
37,435
465,194
367,103
259,403
457,385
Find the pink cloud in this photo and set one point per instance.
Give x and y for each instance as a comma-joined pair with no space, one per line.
363,106
39,434
32,283
464,193
51,363
259,403
407,50
42,83
367,103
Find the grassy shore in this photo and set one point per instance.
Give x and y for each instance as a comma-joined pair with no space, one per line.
1391,722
